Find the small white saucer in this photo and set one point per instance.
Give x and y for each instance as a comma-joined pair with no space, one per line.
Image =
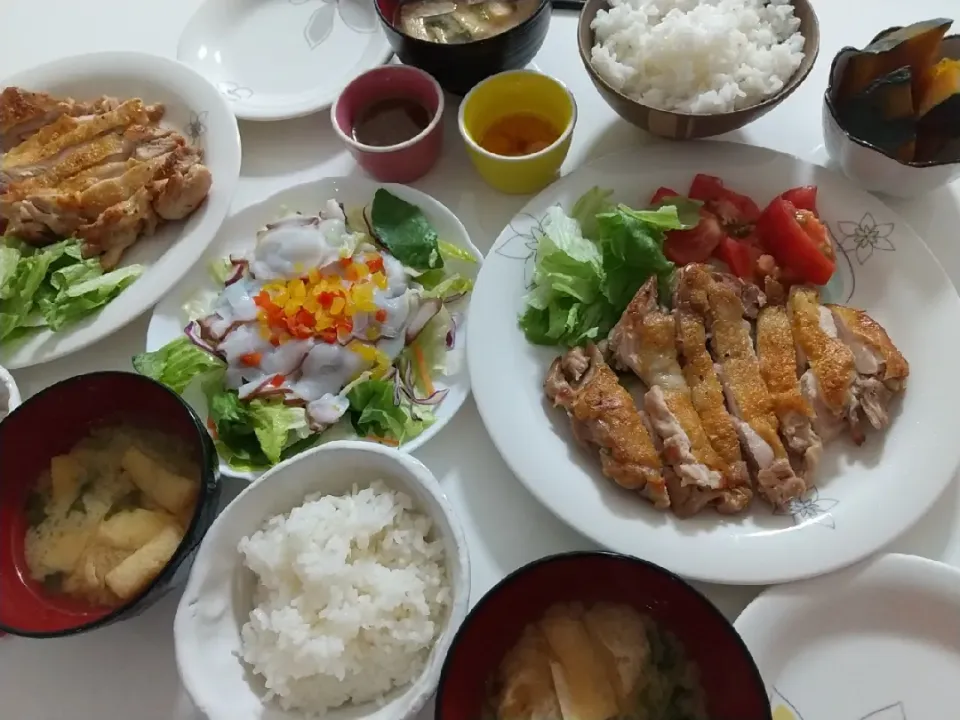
878,641
279,59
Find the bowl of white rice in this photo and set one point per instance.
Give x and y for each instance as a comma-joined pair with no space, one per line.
684,69
330,587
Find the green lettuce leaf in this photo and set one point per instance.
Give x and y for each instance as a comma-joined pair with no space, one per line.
449,251
373,412
9,258
177,364
632,246
405,231
585,210
83,288
448,287
21,290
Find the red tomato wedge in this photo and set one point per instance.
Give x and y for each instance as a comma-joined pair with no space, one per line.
798,240
695,245
741,257
731,208
662,194
802,198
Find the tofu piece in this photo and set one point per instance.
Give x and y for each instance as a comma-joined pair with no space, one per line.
174,493
66,473
137,570
132,529
61,554
89,577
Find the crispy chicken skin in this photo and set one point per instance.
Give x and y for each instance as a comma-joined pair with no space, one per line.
644,341
828,385
707,393
603,414
778,366
882,370
103,171
719,302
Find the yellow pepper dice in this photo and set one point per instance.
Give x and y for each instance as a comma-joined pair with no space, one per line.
337,306
297,289
380,280
324,322
361,296
292,307
310,304
314,276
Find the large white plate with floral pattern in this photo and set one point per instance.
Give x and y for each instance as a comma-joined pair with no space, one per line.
878,641
865,497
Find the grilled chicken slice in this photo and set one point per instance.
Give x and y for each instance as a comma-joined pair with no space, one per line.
644,340
778,365
707,395
719,301
882,370
603,414
22,113
827,364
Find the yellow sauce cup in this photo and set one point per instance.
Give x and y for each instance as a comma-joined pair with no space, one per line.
510,93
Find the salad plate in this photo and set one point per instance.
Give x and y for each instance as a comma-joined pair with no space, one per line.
195,110
284,58
416,384
810,639
859,501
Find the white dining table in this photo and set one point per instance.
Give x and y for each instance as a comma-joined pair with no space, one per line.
127,671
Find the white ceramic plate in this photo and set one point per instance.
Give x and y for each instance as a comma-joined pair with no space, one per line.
866,496
280,59
238,233
878,641
196,109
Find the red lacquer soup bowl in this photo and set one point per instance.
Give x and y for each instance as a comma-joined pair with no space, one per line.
732,684
50,423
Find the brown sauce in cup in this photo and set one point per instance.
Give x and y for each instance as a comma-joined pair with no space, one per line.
390,122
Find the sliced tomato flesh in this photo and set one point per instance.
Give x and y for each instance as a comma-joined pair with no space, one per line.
802,198
705,187
695,245
662,194
739,256
731,208
798,241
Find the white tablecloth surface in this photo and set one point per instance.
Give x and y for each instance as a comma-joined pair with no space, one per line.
127,671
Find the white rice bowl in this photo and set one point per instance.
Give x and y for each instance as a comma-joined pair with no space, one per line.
697,56
320,592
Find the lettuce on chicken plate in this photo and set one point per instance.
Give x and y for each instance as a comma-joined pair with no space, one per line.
336,323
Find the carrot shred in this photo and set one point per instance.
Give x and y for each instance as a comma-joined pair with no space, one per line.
383,440
422,369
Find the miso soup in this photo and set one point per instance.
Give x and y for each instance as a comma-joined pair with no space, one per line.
461,21
108,515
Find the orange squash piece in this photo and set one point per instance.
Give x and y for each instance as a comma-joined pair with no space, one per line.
938,86
916,46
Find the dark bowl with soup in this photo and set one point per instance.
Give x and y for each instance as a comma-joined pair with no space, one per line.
108,483
461,42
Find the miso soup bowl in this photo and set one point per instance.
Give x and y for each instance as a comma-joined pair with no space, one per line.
406,161
518,91
50,423
459,67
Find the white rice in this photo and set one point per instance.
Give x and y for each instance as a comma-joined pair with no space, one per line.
352,596
697,56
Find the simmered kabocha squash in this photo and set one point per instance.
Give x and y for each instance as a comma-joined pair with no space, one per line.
883,114
939,102
916,46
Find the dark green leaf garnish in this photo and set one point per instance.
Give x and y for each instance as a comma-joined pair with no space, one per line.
131,501
36,509
53,582
405,231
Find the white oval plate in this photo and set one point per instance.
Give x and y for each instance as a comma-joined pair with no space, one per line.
878,641
237,235
194,108
866,497
280,59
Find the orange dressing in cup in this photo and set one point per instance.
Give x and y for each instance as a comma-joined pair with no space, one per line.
519,134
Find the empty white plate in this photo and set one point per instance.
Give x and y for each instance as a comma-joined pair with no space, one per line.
279,59
878,641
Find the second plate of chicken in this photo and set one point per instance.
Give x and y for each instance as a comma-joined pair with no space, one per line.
705,362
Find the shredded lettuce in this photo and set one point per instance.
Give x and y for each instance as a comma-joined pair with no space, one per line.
590,264
449,251
54,286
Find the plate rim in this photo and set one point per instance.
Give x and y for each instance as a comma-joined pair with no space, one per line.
274,200
317,101
647,157
173,73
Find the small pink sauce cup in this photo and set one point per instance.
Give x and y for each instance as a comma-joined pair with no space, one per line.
406,161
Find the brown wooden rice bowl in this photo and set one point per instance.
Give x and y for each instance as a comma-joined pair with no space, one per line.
687,126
